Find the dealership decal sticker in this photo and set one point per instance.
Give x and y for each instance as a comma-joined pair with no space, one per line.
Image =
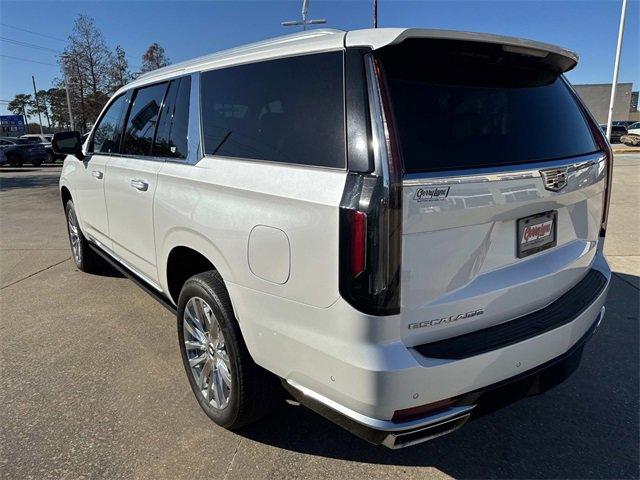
431,194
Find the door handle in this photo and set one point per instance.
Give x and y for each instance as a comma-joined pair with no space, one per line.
140,185
98,174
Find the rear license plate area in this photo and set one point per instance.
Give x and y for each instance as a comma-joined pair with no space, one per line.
537,233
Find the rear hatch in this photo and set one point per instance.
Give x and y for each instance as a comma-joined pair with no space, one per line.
503,184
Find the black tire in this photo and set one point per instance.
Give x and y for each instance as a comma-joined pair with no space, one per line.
14,160
87,261
254,392
51,158
37,163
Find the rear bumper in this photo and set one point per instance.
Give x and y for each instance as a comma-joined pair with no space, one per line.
467,406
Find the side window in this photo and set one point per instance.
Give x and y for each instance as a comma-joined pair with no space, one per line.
287,110
171,139
106,136
142,119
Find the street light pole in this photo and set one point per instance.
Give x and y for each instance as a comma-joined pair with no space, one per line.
66,87
616,69
35,94
375,13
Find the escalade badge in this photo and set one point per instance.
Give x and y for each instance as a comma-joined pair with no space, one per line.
555,179
452,318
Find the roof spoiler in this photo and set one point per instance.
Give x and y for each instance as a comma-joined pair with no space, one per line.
561,59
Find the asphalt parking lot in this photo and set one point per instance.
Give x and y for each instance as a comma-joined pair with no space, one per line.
92,384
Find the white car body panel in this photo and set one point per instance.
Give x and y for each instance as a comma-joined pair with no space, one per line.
225,199
460,253
130,211
86,180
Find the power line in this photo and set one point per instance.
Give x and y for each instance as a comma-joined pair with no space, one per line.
27,44
32,32
28,60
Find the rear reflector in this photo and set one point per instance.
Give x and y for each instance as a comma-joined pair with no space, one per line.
358,242
422,410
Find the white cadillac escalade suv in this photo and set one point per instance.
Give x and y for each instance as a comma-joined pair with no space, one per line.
403,227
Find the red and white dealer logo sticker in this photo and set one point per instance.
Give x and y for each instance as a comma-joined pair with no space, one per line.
532,233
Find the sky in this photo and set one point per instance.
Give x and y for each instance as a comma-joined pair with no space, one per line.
190,29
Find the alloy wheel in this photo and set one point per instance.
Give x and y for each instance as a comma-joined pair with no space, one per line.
207,353
74,237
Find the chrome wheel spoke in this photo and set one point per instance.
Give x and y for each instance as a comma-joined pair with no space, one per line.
195,361
194,345
191,313
202,316
224,369
194,331
218,388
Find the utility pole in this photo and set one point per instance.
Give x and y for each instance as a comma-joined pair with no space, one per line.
304,22
375,13
66,87
35,95
616,69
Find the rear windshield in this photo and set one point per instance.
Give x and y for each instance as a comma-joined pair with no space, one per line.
463,105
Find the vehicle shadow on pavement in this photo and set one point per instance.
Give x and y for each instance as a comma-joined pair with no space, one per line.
585,428
103,269
30,181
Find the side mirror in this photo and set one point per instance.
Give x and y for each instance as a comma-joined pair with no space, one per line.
68,143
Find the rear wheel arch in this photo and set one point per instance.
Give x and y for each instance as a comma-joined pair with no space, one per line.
184,262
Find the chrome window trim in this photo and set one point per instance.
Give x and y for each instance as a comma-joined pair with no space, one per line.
194,130
503,173
379,133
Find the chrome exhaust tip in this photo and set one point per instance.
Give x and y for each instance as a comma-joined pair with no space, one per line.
419,435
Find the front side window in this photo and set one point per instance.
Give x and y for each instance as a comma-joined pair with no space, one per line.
142,119
171,138
287,110
106,136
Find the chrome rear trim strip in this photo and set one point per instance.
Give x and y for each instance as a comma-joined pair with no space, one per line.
384,425
496,174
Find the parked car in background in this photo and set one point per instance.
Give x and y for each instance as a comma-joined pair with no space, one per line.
40,137
330,211
634,128
46,141
622,123
616,132
23,150
3,158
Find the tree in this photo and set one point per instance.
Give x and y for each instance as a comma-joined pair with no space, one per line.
19,105
58,106
86,61
87,44
119,74
154,58
41,106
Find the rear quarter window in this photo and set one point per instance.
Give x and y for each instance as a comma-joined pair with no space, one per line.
459,105
287,110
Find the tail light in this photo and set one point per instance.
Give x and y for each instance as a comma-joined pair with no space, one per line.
371,215
603,145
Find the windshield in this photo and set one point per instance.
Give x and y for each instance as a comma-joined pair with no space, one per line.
463,105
